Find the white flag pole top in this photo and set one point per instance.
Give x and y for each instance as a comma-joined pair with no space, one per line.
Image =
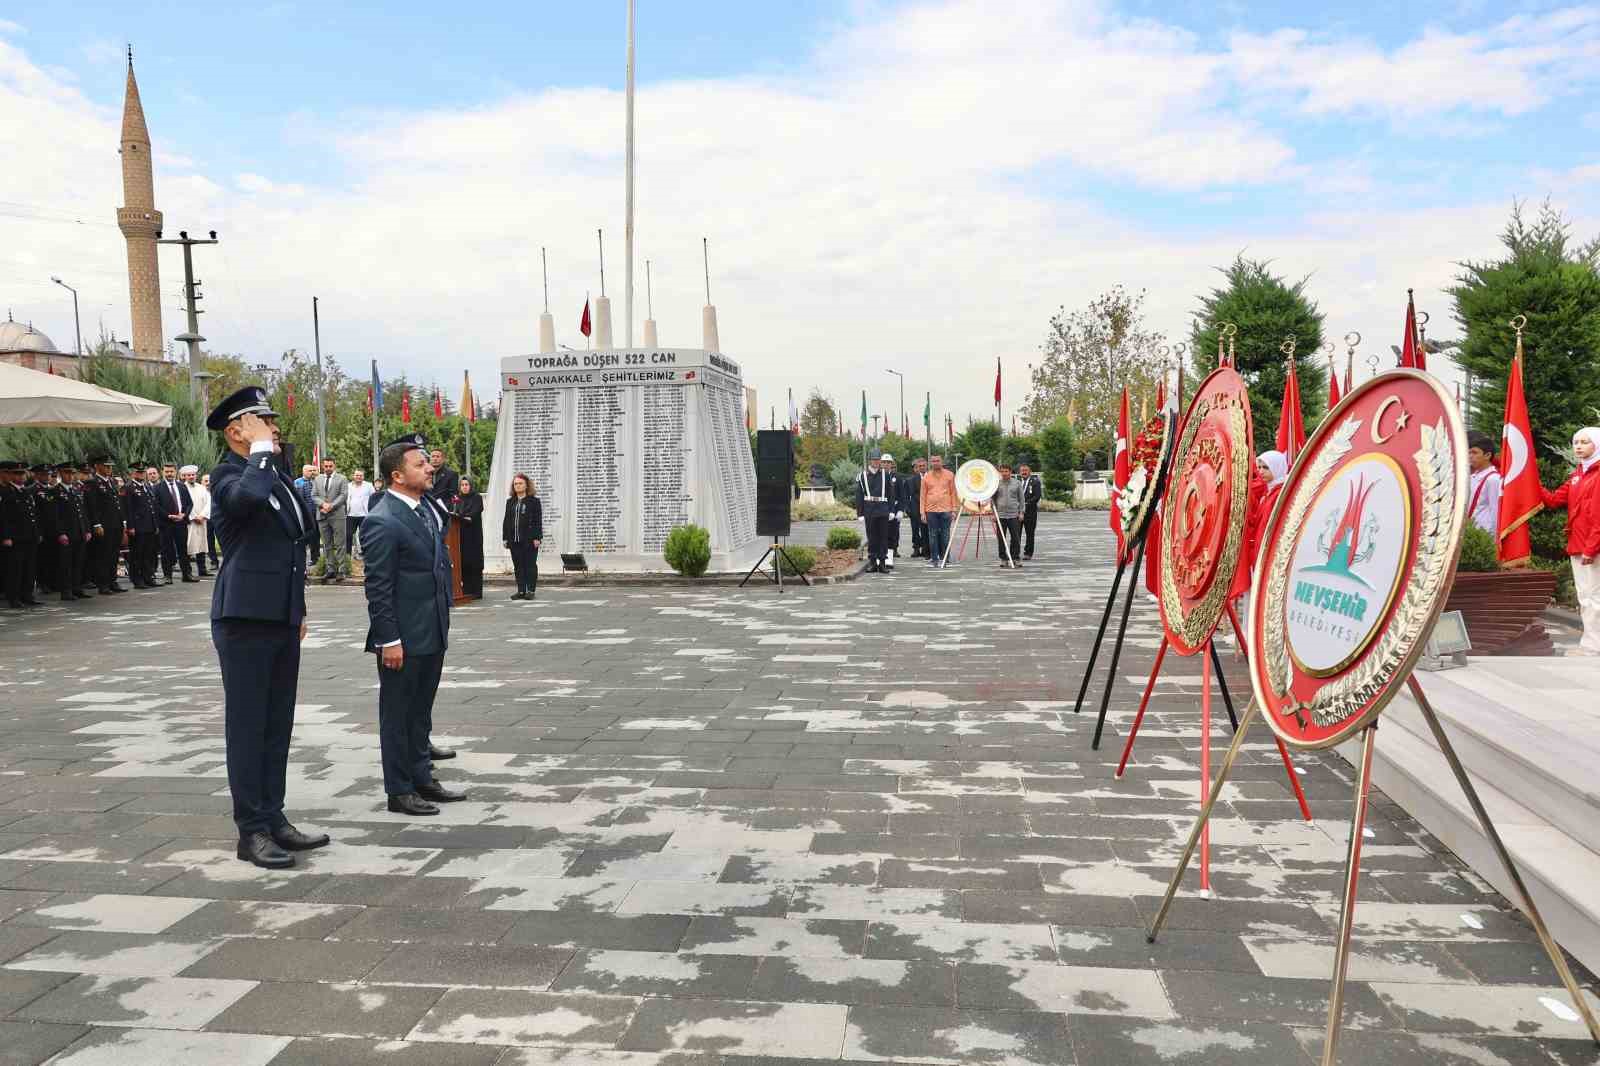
650,340
547,321
711,342
602,303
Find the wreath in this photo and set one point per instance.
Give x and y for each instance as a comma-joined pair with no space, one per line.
1143,456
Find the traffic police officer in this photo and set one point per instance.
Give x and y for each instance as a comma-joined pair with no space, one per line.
258,610
876,501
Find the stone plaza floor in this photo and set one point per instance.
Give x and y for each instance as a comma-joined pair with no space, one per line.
718,826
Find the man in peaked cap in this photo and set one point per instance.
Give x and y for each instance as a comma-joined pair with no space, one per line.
877,494
19,534
408,584
106,525
258,612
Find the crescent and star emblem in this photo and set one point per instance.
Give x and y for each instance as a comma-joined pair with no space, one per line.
1400,419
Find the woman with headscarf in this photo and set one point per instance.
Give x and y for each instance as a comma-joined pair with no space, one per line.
467,507
1266,482
199,519
1580,495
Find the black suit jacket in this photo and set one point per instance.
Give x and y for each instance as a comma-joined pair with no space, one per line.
140,507
164,500
254,510
446,483
408,578
532,524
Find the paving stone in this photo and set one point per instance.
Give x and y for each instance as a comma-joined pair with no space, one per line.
959,941
1204,1042
1508,1009
655,973
783,1029
856,981
250,918
141,1002
124,954
1063,989
290,960
418,925
479,966
20,939
18,988
340,1051
821,938
110,913
1402,1049
30,1043
501,1016
305,1009
1286,1001
642,932
957,1037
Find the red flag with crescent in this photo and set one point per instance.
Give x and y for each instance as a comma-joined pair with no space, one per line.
1291,423
405,406
1519,472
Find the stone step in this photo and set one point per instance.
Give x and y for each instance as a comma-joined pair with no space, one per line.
1559,870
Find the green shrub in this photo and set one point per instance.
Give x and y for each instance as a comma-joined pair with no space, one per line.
827,512
797,560
1048,504
688,550
841,538
843,474
1091,505
1478,552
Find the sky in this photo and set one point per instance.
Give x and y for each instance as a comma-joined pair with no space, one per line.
885,186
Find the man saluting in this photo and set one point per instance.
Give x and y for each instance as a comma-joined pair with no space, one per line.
258,619
408,581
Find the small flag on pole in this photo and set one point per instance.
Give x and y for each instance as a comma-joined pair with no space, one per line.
405,404
794,415
438,403
289,399
369,399
1121,469
1411,355
585,327
863,414
997,381
1291,423
377,388
1333,385
469,409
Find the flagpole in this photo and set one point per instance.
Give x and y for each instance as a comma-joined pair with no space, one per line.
927,423
466,425
377,402
627,299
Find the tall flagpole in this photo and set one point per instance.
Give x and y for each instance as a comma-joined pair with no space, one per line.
627,298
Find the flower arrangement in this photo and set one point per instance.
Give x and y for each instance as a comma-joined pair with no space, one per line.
1142,457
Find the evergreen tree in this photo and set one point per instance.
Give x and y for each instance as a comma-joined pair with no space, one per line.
1267,310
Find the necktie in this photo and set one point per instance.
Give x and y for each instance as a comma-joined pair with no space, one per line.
427,517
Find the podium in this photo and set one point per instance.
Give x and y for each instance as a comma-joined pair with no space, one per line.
452,541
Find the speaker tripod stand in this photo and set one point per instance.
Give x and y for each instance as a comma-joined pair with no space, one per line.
778,556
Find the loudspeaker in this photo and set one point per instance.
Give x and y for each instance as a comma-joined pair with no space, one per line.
774,481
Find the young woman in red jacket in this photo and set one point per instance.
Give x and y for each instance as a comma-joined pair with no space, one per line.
1580,495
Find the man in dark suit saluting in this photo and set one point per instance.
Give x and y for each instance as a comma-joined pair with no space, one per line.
258,619
408,581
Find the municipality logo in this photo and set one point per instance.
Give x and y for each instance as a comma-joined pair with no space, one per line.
1348,539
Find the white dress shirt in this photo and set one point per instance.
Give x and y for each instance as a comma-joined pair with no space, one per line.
360,497
1483,491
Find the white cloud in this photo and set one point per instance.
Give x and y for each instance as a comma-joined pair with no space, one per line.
895,206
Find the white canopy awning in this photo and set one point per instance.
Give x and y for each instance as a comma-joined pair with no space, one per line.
29,398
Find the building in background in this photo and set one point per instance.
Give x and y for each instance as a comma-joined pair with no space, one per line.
140,223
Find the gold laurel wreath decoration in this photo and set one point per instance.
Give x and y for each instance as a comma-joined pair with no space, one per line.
1340,699
1195,624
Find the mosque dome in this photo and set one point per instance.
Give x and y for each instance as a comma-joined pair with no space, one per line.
17,337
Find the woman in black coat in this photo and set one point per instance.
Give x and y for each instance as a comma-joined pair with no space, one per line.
467,507
521,531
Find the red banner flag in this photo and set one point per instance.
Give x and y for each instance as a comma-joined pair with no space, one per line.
1291,423
1411,355
997,381
288,402
1120,470
1333,385
438,405
369,399
1519,472
584,327
405,405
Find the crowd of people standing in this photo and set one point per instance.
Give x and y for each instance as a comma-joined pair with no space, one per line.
927,500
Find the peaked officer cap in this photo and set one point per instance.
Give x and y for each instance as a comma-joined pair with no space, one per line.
409,442
250,400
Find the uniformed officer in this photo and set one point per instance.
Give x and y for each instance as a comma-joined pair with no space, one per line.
41,484
258,610
19,535
107,523
876,501
143,528
76,519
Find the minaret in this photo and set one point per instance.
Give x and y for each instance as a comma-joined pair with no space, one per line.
140,223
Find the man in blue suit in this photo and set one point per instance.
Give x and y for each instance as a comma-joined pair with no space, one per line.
258,612
408,581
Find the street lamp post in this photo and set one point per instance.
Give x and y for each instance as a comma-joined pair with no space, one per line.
902,378
77,327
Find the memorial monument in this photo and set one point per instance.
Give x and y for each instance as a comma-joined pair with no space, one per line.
622,446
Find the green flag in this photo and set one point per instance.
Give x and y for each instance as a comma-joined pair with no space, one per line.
863,414
927,412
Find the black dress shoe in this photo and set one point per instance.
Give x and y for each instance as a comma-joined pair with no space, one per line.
260,849
189,581
411,803
291,839
516,595
439,794
440,753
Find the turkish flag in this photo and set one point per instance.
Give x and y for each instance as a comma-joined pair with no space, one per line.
1333,385
584,326
1120,471
438,405
997,381
289,401
405,405
1519,472
1411,355
1291,423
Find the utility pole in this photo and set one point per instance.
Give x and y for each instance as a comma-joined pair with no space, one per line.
77,327
902,378
627,299
191,289
322,412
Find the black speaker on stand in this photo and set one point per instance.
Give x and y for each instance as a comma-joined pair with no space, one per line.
774,493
